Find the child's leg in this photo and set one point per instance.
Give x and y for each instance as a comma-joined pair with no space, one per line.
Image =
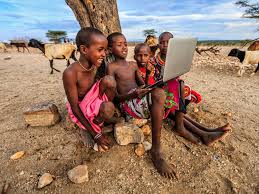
157,113
179,120
208,138
223,128
108,86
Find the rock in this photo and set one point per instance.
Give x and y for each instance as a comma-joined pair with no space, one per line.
146,130
7,58
17,155
78,174
139,150
45,180
139,122
42,114
229,114
195,110
147,145
126,133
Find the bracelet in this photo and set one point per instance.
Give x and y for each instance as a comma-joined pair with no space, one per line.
97,136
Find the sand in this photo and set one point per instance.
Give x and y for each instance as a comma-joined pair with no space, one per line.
229,166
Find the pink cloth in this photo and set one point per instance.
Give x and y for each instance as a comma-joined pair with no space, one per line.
90,107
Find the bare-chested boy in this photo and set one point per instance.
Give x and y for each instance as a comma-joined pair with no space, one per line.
133,100
89,100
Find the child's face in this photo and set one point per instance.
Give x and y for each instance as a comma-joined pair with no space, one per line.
163,43
95,53
142,56
119,47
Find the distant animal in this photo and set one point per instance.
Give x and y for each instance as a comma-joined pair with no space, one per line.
2,46
254,46
55,51
245,58
19,44
152,42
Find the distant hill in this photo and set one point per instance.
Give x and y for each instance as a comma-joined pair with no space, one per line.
209,42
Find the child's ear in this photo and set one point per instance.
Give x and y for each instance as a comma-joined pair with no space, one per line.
83,49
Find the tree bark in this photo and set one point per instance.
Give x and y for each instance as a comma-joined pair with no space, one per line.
100,14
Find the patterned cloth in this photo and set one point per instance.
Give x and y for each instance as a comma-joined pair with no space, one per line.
90,107
136,108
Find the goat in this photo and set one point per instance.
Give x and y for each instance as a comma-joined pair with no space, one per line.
18,44
55,51
2,46
245,58
254,46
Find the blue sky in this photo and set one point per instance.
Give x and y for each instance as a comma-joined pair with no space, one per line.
205,19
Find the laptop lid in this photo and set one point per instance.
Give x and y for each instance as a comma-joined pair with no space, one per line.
179,57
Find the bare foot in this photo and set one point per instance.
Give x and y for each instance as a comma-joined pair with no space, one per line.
225,128
161,165
212,137
187,135
87,138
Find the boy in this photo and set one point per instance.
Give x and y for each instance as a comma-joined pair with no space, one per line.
89,101
208,136
134,101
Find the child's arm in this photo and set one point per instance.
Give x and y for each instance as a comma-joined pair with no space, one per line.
139,78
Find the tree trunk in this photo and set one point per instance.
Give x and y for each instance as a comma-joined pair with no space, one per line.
100,14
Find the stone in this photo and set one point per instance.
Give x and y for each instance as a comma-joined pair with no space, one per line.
138,122
78,174
139,150
146,130
195,110
42,114
45,180
147,145
126,133
17,155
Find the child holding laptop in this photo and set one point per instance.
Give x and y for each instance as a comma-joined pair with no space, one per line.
179,95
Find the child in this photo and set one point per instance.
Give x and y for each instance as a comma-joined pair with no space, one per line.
134,101
142,55
89,100
175,89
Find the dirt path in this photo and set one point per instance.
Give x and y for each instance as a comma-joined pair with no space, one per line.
230,166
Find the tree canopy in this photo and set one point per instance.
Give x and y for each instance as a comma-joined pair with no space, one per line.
149,32
252,9
56,36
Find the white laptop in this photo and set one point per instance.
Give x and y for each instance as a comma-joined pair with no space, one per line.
179,57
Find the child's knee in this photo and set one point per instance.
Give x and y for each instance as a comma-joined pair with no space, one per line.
109,82
107,110
158,95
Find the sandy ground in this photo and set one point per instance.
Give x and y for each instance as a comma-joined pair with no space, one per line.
230,166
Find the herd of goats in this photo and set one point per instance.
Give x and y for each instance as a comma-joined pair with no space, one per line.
68,50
